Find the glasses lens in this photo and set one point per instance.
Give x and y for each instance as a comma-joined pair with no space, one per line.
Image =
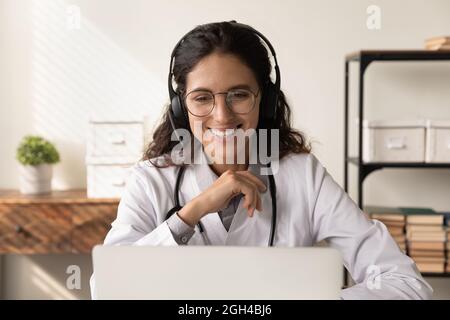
240,100
200,103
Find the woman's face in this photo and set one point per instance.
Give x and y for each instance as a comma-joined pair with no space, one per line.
219,72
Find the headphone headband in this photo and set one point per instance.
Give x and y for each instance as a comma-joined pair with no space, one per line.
178,115
172,92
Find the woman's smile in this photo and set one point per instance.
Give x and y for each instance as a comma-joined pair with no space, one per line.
223,134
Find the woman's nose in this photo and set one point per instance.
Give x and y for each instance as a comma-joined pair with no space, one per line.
221,111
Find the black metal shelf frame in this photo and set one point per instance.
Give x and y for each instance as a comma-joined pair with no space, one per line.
365,58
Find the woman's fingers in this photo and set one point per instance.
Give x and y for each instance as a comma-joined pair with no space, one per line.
251,209
259,204
250,186
258,185
257,200
250,176
251,196
248,191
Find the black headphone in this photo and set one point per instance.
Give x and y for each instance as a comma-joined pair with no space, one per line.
179,119
178,113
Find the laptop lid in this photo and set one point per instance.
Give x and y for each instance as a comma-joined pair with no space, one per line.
216,272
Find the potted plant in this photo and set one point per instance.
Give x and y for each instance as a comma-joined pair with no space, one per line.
36,156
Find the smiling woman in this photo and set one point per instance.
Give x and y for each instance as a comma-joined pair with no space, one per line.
214,59
235,109
222,72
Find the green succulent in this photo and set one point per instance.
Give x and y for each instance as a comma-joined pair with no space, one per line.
35,150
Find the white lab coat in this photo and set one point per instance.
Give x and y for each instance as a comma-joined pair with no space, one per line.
311,207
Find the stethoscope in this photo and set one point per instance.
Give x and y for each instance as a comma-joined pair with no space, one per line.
273,192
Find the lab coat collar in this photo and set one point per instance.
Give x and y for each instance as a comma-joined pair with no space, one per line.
244,230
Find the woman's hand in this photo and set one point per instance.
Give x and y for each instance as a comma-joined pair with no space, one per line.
218,195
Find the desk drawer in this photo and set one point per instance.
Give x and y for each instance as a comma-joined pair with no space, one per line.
34,229
90,225
56,228
61,222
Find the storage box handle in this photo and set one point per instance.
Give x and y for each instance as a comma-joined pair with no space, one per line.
118,183
396,143
117,138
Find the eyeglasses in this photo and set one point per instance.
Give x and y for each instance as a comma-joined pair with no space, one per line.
201,103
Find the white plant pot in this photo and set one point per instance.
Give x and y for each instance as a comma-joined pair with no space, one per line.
36,179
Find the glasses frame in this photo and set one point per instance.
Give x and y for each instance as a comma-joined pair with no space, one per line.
255,95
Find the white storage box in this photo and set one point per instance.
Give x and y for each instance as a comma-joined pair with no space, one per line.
116,139
107,180
438,141
114,145
394,140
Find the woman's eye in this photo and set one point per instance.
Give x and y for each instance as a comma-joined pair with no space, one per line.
240,95
202,98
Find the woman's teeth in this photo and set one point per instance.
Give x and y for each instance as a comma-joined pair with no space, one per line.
223,133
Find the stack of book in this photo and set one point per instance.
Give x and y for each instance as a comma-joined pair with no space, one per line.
426,237
438,43
448,250
447,223
394,220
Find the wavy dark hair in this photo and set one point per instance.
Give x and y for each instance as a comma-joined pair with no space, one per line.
227,38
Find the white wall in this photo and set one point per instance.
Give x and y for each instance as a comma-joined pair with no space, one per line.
39,277
53,78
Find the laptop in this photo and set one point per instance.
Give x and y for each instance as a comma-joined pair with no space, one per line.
216,273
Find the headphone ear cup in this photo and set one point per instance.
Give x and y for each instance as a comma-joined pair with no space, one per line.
269,101
179,115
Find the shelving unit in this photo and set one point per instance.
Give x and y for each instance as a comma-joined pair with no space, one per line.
365,58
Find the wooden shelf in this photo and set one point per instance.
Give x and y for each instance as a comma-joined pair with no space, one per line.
398,55
436,274
417,165
69,196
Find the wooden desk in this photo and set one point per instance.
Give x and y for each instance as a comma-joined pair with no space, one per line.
61,222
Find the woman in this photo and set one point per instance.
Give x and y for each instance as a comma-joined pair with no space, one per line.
222,75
